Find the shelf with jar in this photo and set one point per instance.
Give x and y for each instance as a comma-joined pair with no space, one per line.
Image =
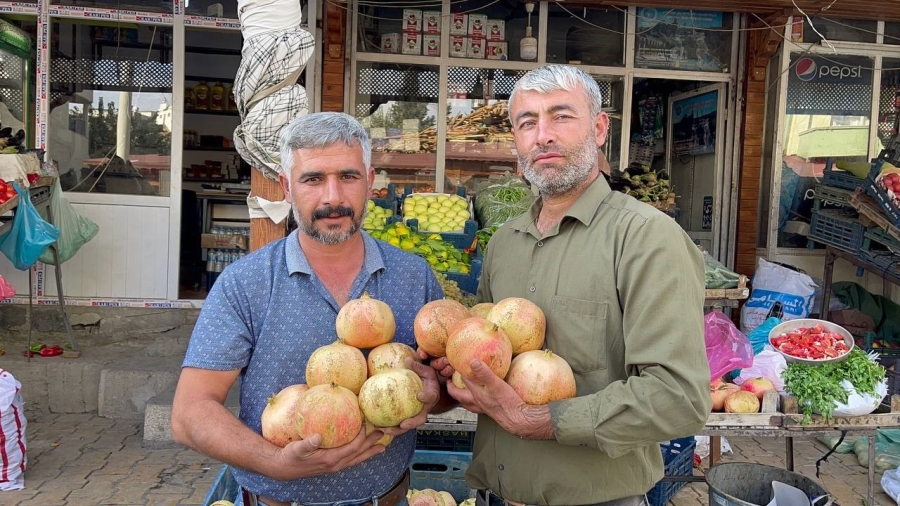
217,99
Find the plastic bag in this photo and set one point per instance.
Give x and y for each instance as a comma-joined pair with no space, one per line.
726,348
717,275
500,201
890,483
30,234
6,289
773,282
859,404
74,229
846,445
759,337
767,364
12,433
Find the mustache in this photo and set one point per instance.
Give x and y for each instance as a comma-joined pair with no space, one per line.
332,212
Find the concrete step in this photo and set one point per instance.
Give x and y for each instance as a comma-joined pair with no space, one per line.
158,417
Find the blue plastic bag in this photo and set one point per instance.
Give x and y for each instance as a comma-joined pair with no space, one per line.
29,236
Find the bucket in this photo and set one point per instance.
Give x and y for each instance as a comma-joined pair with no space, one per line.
748,484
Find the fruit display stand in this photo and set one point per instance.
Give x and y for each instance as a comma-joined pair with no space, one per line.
727,297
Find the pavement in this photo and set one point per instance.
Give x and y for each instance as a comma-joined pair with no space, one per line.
85,459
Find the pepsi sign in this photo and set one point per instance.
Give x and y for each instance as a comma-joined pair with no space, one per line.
833,69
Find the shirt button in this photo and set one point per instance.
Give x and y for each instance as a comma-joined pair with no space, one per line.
500,467
540,243
531,289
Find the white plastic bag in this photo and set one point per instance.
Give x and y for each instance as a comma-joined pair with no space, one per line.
890,483
702,448
12,433
767,364
859,405
773,282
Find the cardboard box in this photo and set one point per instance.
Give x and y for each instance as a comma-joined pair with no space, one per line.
459,24
412,20
475,48
390,43
495,50
477,25
431,45
412,43
223,241
496,30
431,22
458,46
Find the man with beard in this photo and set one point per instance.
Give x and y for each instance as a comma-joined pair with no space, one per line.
269,311
622,288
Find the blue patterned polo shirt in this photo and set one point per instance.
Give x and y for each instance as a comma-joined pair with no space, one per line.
268,312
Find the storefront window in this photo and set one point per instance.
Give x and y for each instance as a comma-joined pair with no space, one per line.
110,120
849,30
829,102
683,39
212,8
889,105
17,72
138,5
586,36
398,105
892,33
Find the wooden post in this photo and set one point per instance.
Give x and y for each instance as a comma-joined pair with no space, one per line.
262,230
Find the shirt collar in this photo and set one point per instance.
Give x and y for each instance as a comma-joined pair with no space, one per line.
296,260
584,209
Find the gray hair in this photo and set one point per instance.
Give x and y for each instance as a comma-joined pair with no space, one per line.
321,130
551,78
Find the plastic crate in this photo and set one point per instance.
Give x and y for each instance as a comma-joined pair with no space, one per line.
445,440
390,202
832,196
884,201
441,471
461,240
224,488
467,282
840,178
838,228
678,455
881,238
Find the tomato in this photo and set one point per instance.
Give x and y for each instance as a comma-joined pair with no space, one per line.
811,343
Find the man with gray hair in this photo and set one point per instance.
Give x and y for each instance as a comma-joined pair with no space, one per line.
270,310
622,288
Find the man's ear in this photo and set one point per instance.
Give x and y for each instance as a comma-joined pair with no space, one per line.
601,128
285,187
371,178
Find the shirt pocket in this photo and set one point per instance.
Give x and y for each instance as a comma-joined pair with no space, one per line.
578,332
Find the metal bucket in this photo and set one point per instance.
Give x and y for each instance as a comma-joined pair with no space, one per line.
748,484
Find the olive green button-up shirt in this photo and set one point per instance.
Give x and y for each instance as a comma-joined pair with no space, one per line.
622,288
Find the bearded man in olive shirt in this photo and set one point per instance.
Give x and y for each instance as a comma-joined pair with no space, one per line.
622,288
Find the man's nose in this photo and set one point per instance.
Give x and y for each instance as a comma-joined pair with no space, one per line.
546,134
333,192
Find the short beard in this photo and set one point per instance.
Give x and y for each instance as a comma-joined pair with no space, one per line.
580,160
328,237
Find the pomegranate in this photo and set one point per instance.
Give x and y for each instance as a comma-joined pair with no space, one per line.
384,441
741,402
389,356
391,396
365,322
719,390
540,377
523,322
331,411
758,387
448,498
481,310
425,498
433,323
278,416
477,338
337,363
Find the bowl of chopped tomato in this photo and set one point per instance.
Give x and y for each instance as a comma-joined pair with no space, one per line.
811,341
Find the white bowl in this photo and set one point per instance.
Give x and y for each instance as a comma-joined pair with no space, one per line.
790,325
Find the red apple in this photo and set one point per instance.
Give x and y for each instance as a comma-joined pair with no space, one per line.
758,386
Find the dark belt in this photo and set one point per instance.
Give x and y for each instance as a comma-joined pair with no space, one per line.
488,498
392,497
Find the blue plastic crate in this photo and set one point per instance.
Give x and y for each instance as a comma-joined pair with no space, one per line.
678,455
884,201
840,178
460,240
224,488
390,202
445,440
467,282
838,228
441,471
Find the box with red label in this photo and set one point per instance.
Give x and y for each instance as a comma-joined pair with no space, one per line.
458,46
431,22
431,45
412,20
459,24
475,48
412,43
496,30
495,50
390,43
477,25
